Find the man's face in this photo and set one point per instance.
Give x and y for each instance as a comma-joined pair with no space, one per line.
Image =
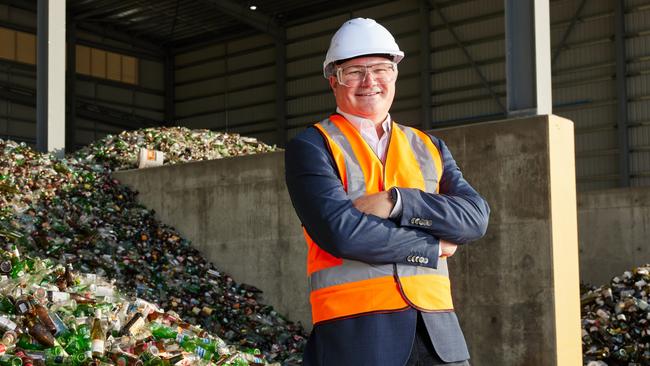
370,98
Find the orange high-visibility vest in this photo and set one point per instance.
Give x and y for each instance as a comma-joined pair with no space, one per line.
342,288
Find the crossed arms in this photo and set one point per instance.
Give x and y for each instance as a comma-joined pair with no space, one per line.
360,230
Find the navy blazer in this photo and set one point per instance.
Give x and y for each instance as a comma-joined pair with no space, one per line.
457,214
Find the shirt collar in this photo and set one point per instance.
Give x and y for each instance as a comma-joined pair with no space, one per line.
361,124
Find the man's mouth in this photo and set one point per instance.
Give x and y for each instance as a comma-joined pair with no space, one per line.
369,94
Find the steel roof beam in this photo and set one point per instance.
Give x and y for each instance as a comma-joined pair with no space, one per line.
566,34
106,30
528,58
108,8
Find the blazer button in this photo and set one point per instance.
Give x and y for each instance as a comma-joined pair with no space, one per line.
426,260
408,259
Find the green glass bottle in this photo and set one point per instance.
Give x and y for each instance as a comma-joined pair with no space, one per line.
203,353
25,341
160,331
10,360
239,362
81,359
18,269
207,344
186,342
149,356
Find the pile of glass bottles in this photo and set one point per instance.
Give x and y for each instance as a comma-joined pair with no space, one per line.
72,211
616,319
179,144
52,315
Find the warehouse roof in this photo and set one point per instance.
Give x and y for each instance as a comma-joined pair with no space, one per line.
177,24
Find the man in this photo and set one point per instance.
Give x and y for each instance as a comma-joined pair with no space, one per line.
382,206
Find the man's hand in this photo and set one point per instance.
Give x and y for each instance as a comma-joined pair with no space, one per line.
379,204
447,249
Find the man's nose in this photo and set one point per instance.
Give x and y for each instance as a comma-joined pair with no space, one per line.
368,78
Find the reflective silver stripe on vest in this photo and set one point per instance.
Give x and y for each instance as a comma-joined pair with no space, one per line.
353,171
349,271
353,271
424,158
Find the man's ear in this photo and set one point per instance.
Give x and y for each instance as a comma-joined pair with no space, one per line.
333,83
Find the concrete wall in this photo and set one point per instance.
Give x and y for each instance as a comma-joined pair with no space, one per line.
614,228
237,212
516,290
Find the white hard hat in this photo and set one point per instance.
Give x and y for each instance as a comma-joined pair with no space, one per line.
358,37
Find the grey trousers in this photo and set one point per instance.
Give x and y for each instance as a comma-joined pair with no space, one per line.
423,353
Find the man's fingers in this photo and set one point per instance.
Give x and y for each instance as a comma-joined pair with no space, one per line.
447,249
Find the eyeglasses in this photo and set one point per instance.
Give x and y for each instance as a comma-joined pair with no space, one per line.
353,75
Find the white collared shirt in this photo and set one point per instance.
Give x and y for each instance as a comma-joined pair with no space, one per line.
367,130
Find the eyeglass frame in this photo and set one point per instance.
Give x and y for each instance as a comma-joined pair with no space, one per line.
339,72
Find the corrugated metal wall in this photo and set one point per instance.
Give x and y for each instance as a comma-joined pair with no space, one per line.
229,87
129,105
584,76
232,86
638,88
584,88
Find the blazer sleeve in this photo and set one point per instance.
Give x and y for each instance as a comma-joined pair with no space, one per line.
457,213
331,220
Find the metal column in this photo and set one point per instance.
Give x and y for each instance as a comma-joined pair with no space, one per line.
281,89
50,75
425,66
70,89
621,94
170,91
528,57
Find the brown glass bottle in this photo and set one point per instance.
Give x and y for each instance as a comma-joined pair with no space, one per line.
39,332
69,275
43,315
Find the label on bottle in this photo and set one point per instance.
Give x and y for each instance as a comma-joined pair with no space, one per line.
6,323
97,346
171,348
202,352
58,296
103,291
